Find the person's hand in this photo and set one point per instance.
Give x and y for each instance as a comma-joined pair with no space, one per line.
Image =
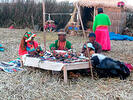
41,54
65,49
53,48
33,53
78,54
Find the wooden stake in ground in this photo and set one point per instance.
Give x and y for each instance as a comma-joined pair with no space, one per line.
94,14
43,6
32,19
89,62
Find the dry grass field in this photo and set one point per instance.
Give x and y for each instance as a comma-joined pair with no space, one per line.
37,84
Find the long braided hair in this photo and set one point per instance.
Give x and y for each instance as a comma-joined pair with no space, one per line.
23,44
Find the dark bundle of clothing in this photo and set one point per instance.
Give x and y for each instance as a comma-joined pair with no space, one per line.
108,67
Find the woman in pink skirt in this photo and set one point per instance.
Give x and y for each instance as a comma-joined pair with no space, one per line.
100,27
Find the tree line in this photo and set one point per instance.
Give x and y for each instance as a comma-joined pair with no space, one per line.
22,14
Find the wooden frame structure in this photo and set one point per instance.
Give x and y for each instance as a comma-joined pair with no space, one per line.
64,68
116,14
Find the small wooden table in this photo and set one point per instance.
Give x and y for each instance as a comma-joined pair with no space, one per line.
55,66
73,66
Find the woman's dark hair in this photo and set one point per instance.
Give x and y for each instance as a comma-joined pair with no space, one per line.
23,44
100,10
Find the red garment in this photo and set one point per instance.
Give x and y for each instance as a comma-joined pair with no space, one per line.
102,37
53,26
62,45
11,27
23,52
46,26
50,25
129,66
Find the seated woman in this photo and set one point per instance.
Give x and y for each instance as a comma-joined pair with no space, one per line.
107,67
61,43
28,45
96,45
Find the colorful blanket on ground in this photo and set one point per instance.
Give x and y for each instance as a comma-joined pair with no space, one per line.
12,66
1,48
114,36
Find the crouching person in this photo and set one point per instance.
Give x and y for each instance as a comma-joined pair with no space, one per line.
96,45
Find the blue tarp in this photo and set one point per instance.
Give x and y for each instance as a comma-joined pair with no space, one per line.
114,36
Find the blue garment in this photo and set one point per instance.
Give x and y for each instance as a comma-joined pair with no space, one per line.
76,28
70,28
114,36
12,66
1,48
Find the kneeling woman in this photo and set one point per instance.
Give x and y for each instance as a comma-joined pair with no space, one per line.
28,45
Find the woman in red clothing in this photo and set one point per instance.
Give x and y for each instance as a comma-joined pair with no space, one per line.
100,27
28,45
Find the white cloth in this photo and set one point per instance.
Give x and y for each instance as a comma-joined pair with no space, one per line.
47,65
100,56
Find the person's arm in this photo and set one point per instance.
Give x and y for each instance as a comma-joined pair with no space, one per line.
68,45
99,48
95,24
35,44
109,23
83,49
52,46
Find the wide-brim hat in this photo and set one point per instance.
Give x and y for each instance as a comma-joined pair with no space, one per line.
61,33
28,36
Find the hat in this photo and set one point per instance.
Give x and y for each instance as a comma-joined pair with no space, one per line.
100,10
89,45
61,33
28,36
92,35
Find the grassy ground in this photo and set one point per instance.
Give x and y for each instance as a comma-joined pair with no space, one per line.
37,84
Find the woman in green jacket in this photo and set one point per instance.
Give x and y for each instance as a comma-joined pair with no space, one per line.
61,43
100,27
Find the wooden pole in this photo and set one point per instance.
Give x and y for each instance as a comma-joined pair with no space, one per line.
94,14
43,5
81,20
89,62
33,25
